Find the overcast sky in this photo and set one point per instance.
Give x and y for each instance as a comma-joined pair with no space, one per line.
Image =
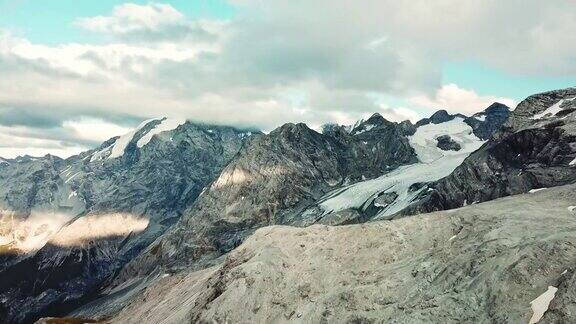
75,73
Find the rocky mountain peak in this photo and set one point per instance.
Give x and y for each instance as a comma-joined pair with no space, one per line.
487,122
439,117
293,128
547,108
534,149
150,175
376,121
497,108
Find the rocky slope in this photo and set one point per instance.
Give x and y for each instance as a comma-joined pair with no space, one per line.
484,263
68,225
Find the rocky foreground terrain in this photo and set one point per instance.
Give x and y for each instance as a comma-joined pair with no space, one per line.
483,263
167,221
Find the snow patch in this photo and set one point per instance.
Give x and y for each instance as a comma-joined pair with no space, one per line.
536,190
72,177
541,303
166,125
571,208
118,148
573,162
101,155
552,110
122,142
480,117
424,141
365,129
350,128
245,135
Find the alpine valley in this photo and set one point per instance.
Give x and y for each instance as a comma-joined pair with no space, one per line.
452,219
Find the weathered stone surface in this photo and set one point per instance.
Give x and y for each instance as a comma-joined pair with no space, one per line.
447,144
481,263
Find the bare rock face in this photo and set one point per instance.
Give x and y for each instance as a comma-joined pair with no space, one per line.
441,116
489,121
385,199
447,144
536,148
127,200
28,181
484,124
482,263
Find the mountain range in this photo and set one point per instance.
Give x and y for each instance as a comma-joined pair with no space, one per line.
179,221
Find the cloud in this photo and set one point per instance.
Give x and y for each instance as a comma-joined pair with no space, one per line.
275,62
94,129
19,141
152,22
457,100
399,114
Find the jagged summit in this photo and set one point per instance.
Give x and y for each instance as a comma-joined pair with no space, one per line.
440,116
292,128
376,121
496,107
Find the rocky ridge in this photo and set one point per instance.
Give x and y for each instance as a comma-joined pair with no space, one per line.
480,263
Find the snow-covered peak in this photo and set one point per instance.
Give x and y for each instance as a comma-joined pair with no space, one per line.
425,140
145,130
435,163
167,124
122,142
4,162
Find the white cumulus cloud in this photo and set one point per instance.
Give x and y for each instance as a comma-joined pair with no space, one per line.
458,100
